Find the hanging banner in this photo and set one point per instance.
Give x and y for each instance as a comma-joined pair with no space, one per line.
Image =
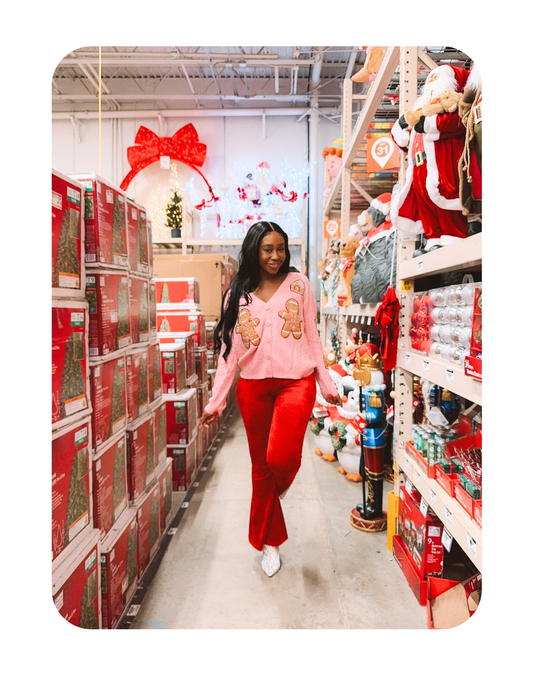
382,154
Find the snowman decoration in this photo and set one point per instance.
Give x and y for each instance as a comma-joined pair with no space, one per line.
325,414
346,442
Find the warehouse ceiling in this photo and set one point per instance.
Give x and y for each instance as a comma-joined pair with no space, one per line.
231,78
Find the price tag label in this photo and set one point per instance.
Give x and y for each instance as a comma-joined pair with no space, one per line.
185,505
420,266
409,486
449,376
417,477
471,542
446,539
408,359
433,497
448,515
425,366
406,462
407,286
424,507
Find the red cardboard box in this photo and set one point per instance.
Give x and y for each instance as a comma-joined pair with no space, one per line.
210,335
110,483
108,397
137,237
415,581
137,392
429,470
460,605
184,460
139,311
109,311
182,417
71,484
191,320
200,357
421,535
174,293
173,363
68,237
160,432
106,243
70,364
447,481
152,309
186,339
149,523
164,478
119,567
150,247
141,447
477,513
76,585
204,394
155,385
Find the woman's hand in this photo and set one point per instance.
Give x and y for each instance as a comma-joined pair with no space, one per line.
334,400
207,419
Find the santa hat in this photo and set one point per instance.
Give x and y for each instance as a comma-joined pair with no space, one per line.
461,77
339,371
382,203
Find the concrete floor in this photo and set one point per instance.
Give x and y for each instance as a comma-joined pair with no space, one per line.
332,576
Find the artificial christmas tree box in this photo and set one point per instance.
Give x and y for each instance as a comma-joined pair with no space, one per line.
214,273
173,367
137,237
164,479
137,394
68,237
108,396
160,431
200,362
76,585
148,508
110,483
150,247
155,384
182,415
210,334
106,242
184,459
72,512
204,394
177,293
152,310
139,310
119,568
191,320
141,447
70,362
186,339
109,311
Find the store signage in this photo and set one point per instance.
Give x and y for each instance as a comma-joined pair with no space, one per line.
332,228
382,154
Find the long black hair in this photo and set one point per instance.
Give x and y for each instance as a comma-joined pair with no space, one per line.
246,281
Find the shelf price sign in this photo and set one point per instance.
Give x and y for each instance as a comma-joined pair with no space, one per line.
447,539
471,542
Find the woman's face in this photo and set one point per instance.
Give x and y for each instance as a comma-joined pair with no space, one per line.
271,253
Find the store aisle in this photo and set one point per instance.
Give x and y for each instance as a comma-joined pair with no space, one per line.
332,575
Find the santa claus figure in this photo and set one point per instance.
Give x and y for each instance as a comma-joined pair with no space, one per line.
433,134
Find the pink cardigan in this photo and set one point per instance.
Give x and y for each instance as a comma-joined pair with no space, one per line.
274,339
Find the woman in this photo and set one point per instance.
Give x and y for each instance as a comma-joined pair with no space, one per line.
268,330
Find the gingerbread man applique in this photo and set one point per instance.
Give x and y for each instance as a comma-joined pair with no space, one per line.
246,329
292,318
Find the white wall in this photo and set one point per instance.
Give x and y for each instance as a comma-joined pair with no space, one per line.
229,140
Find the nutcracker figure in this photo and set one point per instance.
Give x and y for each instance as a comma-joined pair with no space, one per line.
369,516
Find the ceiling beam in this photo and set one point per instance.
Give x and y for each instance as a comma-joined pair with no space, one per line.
147,114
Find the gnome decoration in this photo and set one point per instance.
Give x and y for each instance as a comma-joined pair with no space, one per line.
332,159
470,162
434,135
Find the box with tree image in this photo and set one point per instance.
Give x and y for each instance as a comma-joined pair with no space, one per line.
138,246
70,362
155,384
164,479
107,293
72,511
76,585
139,310
68,236
137,391
160,432
110,483
106,241
149,523
141,454
108,397
119,568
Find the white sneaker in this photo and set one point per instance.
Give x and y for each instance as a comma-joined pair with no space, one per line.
270,562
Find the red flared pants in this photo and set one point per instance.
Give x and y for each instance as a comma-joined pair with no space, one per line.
275,413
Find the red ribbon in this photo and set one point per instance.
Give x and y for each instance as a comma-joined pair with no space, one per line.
183,146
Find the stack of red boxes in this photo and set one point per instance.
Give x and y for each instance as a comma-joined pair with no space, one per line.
418,547
112,483
75,543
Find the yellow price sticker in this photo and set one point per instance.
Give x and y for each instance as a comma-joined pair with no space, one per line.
407,286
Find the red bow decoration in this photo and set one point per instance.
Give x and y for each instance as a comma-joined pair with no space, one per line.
388,320
183,146
292,197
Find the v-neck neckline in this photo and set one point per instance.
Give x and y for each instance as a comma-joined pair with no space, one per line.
274,293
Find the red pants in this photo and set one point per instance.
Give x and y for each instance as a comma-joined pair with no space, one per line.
275,413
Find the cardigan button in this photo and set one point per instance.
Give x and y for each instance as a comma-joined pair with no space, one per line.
267,323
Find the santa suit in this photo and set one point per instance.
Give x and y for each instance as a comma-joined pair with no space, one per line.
429,201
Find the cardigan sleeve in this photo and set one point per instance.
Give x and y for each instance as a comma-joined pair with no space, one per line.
226,371
325,382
